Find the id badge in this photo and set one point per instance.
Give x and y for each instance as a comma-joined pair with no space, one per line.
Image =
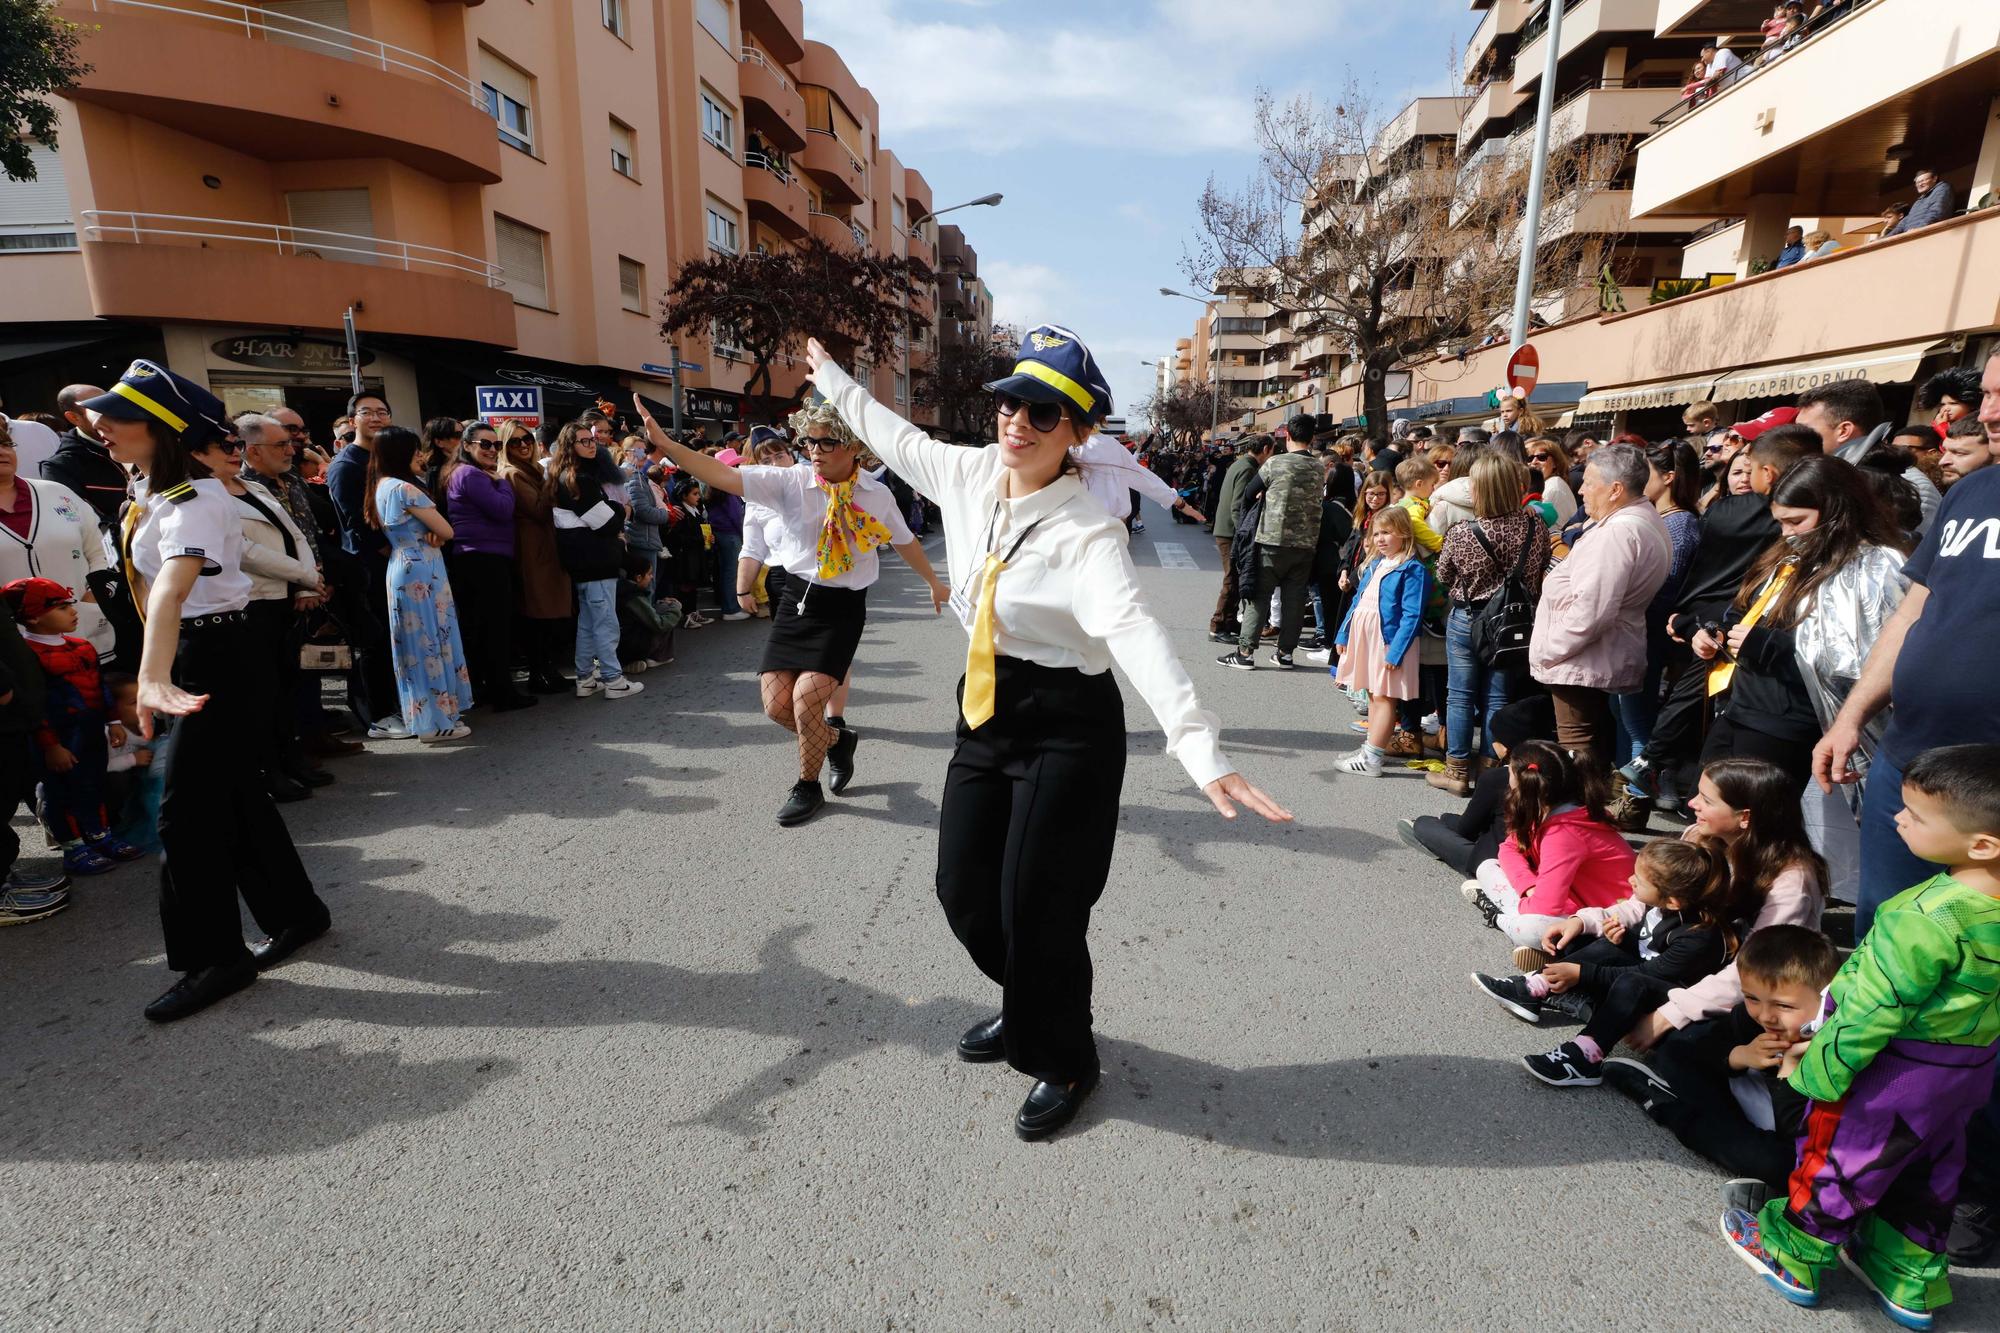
962,607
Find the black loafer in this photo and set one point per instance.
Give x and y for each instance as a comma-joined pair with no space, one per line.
284,790
197,990
840,759
312,777
802,804
1050,1106
267,954
982,1043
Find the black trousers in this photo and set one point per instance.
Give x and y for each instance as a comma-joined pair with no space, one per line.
221,833
360,605
1620,1002
1678,730
275,657
1025,835
483,585
1729,739
17,788
1703,1113
1440,836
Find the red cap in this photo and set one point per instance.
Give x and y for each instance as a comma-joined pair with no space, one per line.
29,598
1777,416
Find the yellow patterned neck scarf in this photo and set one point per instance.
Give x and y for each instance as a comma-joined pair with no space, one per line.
849,529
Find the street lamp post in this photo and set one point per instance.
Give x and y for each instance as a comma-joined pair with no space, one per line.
1215,378
1524,282
983,201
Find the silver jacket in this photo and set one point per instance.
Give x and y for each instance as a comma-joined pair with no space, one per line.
1833,639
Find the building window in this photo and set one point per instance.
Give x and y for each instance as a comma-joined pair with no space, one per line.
510,97
523,252
722,227
718,126
35,215
632,284
896,213
714,16
613,13
624,147
902,387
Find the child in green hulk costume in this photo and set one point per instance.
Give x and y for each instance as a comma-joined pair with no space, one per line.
1903,1061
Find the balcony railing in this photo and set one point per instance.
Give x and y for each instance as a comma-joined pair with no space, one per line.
751,55
322,37
852,160
1539,24
765,162
306,242
1762,60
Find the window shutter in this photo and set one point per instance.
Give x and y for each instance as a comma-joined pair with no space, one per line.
632,284
328,221
289,25
39,207
714,15
523,256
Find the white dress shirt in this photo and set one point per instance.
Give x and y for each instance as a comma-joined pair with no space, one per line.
1111,474
794,495
765,537
1070,597
205,526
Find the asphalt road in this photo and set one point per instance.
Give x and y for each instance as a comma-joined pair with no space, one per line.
595,1045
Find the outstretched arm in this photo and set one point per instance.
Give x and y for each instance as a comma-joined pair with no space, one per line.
934,469
691,461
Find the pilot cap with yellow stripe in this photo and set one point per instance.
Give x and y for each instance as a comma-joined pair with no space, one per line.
1053,366
149,391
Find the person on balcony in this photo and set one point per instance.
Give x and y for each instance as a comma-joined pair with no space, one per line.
1935,202
1795,248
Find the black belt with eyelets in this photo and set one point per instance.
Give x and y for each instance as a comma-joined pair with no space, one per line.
214,620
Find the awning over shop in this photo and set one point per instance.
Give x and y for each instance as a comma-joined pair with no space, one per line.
1632,398
1883,365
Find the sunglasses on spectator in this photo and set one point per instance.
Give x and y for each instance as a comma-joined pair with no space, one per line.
1540,458
232,445
483,442
1044,417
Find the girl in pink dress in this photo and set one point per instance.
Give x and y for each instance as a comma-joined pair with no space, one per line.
1377,641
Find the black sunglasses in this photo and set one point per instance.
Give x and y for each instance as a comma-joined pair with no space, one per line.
1540,458
1044,417
232,445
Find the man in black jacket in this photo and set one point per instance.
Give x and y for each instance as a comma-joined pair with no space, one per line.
81,461
23,897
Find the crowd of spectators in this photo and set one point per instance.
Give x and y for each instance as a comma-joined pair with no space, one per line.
1591,638
400,581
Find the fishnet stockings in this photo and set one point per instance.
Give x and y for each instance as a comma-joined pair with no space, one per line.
797,702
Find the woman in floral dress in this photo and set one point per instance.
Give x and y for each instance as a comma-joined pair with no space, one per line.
431,675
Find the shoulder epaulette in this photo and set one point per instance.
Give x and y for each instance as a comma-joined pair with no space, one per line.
180,494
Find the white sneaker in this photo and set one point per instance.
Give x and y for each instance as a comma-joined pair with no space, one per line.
457,733
588,685
1361,764
1430,723
1469,890
738,614
621,688
388,729
1316,656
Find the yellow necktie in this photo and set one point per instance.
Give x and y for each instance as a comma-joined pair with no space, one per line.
979,682
1722,673
135,587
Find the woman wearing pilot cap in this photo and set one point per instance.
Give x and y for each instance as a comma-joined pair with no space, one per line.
182,547
1045,586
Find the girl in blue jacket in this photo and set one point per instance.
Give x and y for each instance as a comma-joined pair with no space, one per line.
1377,642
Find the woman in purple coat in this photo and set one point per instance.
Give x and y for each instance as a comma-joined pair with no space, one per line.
481,505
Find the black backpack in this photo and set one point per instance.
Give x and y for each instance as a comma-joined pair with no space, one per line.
1504,623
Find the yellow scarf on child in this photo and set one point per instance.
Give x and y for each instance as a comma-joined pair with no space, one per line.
849,530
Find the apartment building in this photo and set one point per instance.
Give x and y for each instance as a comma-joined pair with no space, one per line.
499,192
965,305
1823,133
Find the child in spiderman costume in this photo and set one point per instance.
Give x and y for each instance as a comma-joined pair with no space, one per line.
71,745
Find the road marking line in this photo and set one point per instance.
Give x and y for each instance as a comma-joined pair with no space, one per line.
1173,555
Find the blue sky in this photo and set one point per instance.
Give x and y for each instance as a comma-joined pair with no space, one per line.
1101,121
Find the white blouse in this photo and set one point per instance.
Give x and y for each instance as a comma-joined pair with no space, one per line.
766,539
794,495
1111,474
1070,597
63,544
205,526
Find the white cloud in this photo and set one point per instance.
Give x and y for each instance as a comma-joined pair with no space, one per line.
1180,82
1024,295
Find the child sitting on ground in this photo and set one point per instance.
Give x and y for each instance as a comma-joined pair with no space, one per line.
1719,1086
70,745
1560,853
1463,840
1671,931
645,627
1902,1063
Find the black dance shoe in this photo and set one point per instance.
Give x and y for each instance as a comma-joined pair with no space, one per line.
1050,1106
197,990
982,1043
840,759
802,804
285,790
267,954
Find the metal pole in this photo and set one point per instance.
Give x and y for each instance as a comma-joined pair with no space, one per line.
1524,285
353,350
674,350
